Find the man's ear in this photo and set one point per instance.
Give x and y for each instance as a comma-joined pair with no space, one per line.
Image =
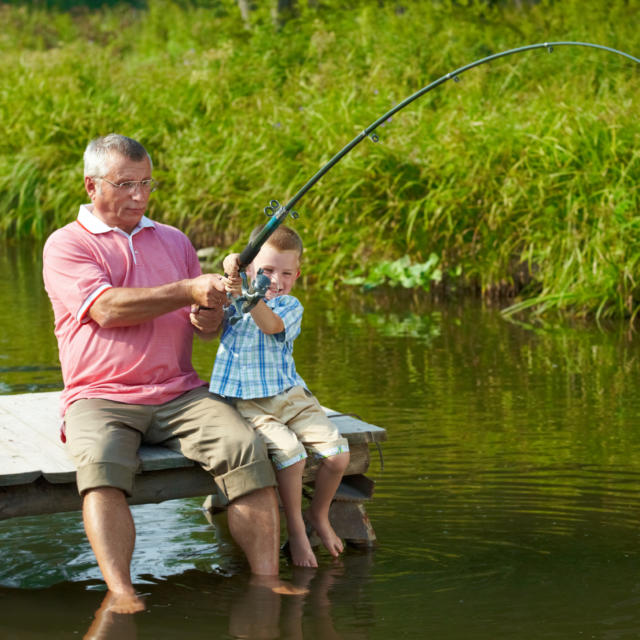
90,185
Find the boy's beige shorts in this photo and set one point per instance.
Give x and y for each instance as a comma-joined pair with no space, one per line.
291,423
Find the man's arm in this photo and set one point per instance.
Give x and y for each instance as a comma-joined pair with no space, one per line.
125,306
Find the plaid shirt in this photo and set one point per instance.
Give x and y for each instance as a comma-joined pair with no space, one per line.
252,364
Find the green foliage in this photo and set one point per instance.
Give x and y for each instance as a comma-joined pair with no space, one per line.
400,272
522,177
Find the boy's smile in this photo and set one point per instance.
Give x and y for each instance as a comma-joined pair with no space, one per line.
282,268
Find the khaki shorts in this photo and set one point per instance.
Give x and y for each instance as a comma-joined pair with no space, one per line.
291,422
103,437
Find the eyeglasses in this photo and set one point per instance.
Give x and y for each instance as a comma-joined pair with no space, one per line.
133,185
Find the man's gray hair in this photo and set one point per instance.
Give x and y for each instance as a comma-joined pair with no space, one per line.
99,151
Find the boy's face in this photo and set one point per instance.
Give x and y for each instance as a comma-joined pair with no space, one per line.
282,267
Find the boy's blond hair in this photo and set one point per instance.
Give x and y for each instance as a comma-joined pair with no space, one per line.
282,239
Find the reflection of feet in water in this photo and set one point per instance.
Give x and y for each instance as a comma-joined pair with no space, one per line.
323,580
276,585
317,604
325,532
256,612
111,623
262,614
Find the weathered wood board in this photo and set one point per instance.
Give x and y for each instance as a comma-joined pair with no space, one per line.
37,476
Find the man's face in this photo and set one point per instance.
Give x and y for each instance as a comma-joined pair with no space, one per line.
282,267
120,207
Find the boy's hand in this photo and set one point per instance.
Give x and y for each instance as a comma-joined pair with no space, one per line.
233,284
231,265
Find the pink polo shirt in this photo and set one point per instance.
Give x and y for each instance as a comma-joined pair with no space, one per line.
148,363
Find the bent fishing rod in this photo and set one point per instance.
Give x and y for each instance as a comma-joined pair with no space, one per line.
278,212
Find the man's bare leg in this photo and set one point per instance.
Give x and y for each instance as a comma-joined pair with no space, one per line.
254,523
111,532
290,489
328,477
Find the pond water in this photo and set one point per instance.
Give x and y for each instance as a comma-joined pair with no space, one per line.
507,504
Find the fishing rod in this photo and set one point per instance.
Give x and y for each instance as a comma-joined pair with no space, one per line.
252,292
278,212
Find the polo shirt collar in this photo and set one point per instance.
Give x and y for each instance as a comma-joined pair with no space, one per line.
94,225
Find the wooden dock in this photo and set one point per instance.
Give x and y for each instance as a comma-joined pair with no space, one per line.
38,477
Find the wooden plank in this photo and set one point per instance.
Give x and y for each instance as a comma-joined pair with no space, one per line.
357,430
29,435
30,445
25,450
41,497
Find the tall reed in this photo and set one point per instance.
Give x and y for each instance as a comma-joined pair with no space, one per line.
521,178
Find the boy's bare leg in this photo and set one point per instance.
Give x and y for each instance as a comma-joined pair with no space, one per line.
254,523
290,489
111,532
328,477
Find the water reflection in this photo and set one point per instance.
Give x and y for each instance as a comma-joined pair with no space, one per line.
508,506
107,625
253,610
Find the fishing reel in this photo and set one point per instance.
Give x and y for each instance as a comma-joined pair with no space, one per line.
252,293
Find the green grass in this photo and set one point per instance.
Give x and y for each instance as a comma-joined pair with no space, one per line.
521,179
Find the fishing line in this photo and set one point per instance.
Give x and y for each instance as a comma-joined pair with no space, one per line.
278,212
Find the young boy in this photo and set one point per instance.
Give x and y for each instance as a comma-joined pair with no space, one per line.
254,366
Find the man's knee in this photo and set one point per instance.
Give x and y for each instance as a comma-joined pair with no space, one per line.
103,493
105,475
264,498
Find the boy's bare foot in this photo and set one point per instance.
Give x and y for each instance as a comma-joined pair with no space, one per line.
327,535
301,552
278,586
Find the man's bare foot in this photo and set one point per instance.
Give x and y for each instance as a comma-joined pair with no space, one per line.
325,532
301,552
107,624
278,586
125,603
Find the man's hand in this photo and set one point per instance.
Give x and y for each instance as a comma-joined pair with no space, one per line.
208,291
206,321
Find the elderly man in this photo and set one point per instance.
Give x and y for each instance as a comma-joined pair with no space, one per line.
128,295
